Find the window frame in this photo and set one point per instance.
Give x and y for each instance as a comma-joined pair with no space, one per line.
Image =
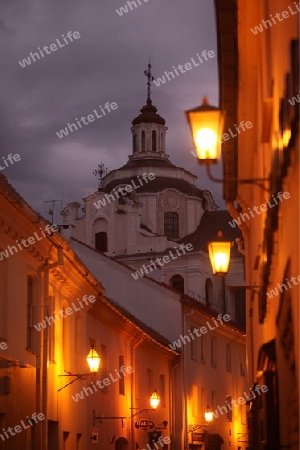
171,225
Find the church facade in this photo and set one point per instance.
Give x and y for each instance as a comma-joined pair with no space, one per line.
150,215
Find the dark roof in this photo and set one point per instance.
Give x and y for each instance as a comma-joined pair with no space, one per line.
148,115
157,185
212,222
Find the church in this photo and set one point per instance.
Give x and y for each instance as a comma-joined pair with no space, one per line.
148,209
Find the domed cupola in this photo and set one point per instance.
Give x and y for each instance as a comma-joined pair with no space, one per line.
149,115
149,130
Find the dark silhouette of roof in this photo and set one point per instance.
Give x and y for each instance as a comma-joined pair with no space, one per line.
147,162
212,222
148,115
157,185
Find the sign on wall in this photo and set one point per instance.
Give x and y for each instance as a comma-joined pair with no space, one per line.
144,424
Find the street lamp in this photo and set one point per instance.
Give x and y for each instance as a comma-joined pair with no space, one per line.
93,360
154,402
219,254
154,399
206,124
209,415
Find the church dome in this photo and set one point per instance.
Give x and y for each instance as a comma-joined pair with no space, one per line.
149,115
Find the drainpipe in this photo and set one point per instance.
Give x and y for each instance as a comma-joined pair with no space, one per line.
133,345
44,345
172,405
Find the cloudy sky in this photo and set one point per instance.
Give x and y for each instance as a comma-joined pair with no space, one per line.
105,64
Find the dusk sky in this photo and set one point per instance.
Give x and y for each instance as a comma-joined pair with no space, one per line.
105,64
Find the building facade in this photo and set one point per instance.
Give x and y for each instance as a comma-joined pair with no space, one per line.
53,311
259,78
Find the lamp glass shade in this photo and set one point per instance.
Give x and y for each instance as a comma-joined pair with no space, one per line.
209,415
219,255
154,399
206,124
93,360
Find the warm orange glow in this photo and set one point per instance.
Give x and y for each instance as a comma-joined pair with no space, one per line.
93,360
219,254
154,399
206,144
286,137
206,124
209,415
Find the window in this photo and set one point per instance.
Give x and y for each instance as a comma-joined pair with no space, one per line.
79,441
202,348
242,363
162,390
214,352
143,141
53,435
177,282
213,399
66,440
240,307
208,292
228,358
122,379
171,225
150,381
103,366
193,347
203,403
229,408
194,400
134,143
101,241
154,141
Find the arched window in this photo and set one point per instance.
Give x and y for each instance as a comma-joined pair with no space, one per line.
154,141
134,143
177,282
101,241
171,225
208,292
228,358
143,141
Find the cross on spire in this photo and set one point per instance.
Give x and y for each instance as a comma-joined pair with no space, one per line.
148,74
